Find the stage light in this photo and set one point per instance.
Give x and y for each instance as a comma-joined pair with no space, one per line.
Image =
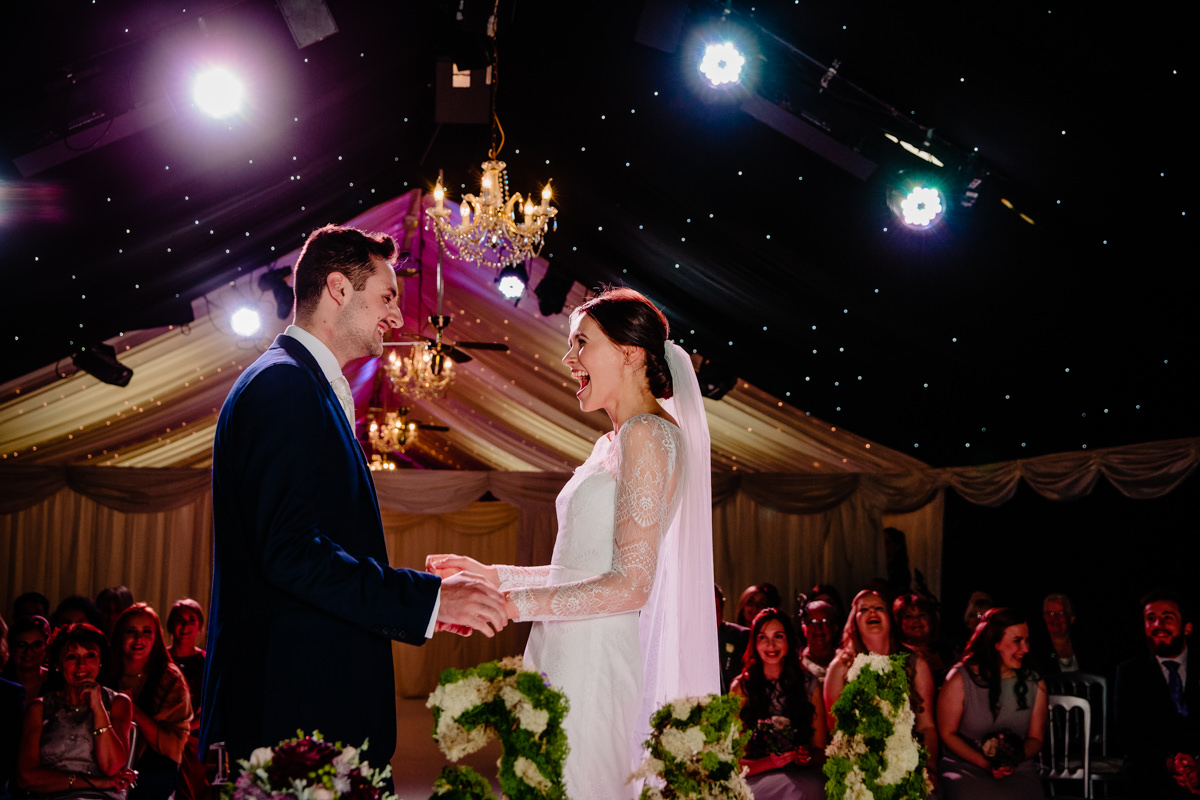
245,322
552,292
100,360
921,207
218,93
512,281
722,63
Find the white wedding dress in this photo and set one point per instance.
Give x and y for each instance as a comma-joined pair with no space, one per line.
612,516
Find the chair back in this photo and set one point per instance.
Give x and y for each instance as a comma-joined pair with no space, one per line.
1066,755
1093,688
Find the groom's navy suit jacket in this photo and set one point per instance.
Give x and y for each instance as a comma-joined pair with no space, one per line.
304,604
1150,728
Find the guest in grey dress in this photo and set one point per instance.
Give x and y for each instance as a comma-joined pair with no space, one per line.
75,737
990,692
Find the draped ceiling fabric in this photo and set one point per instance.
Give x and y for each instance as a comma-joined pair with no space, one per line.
101,485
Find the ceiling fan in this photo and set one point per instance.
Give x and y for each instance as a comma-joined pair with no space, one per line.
439,347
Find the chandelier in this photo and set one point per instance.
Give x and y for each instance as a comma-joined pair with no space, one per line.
489,233
391,431
423,372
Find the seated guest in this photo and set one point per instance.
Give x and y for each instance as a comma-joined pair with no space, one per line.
1059,617
12,709
785,718
162,709
917,617
731,643
185,622
829,593
75,738
31,604
753,600
76,608
870,629
993,702
818,620
1157,701
27,654
111,602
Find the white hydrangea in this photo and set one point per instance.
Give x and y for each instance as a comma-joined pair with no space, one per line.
457,697
900,752
856,789
682,708
683,744
527,771
881,664
849,747
260,757
531,719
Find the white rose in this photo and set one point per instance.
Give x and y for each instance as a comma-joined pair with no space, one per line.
527,771
261,757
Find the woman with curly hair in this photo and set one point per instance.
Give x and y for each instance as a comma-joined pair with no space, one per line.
142,668
783,709
992,715
870,629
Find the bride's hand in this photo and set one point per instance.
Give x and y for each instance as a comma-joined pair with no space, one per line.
446,564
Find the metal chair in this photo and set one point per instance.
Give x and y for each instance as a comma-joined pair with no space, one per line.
1066,754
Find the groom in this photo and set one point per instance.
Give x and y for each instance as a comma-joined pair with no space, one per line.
304,604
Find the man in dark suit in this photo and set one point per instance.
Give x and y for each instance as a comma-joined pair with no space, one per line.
304,604
1157,701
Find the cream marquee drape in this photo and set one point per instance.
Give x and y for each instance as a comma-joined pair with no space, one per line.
67,530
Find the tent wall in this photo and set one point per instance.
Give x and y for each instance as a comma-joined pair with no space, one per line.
69,543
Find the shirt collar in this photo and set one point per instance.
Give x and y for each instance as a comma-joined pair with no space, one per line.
324,356
1181,659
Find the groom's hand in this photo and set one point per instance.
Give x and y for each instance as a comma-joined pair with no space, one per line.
469,601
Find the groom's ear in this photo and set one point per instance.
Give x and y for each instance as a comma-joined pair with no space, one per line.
337,286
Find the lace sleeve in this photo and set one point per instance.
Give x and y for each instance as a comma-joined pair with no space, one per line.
646,488
517,577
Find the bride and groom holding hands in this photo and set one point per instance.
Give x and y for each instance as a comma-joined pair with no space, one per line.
622,615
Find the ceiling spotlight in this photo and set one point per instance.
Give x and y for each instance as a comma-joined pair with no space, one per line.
218,93
512,281
921,207
100,360
722,63
245,322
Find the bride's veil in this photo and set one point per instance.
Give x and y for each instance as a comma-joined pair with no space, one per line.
678,624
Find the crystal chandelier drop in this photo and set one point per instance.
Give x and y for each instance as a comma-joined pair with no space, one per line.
423,372
391,431
489,233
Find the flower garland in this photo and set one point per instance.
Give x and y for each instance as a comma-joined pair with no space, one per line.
309,768
500,700
873,754
694,748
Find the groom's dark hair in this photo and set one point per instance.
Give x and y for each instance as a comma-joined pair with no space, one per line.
336,249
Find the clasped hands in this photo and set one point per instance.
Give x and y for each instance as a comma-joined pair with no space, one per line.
1184,770
471,599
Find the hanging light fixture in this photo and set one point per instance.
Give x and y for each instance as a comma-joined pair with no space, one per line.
392,431
423,372
489,233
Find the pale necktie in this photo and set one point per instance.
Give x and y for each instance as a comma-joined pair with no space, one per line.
1175,687
341,387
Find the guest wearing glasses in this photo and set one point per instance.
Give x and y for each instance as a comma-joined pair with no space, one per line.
27,653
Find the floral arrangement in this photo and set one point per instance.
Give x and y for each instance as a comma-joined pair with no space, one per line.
500,699
694,748
873,754
1004,748
309,768
771,737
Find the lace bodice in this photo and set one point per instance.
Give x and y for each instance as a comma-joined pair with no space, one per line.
612,515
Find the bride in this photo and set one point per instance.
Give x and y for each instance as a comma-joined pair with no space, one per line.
623,618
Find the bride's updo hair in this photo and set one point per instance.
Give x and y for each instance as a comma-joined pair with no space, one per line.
628,318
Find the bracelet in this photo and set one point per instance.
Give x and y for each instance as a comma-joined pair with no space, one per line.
99,731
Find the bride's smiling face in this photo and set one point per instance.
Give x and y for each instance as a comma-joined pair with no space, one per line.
596,362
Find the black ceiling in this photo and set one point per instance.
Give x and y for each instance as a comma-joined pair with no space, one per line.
1014,339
